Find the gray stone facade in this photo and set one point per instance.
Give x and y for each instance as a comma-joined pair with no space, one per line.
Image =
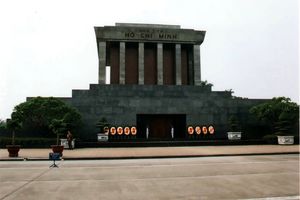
120,105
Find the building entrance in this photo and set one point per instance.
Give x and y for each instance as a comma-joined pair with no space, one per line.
161,126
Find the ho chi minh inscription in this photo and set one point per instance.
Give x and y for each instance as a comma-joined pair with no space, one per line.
129,33
153,34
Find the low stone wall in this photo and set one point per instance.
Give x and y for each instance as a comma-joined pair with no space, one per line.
120,104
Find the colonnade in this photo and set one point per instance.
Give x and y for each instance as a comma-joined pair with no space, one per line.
194,70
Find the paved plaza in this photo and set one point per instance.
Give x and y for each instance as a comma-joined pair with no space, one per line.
154,152
222,177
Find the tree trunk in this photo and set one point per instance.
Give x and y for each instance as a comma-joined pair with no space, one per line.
13,138
57,139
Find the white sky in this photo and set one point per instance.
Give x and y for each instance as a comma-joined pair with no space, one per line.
48,48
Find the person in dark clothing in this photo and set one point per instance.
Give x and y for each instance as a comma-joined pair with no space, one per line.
70,138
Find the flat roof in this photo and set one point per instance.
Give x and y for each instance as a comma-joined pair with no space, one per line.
148,25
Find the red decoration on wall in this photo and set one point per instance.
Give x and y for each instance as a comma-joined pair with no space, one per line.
133,130
198,130
211,130
127,130
190,130
106,130
120,130
113,130
204,130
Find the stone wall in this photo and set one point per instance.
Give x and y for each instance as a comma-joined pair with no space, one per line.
120,104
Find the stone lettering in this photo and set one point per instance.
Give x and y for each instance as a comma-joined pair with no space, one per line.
167,36
147,34
129,35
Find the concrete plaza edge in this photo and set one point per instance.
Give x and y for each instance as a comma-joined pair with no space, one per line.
153,152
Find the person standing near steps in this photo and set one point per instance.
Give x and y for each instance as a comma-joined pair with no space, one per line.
69,139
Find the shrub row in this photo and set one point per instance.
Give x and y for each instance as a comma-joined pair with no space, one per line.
28,142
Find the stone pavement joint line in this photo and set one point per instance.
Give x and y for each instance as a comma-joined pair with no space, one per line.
277,198
154,152
25,184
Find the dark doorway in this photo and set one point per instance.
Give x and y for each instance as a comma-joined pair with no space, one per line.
160,126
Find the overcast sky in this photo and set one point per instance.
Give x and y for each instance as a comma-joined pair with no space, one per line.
48,48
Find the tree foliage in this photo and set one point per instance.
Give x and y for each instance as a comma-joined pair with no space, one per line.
206,83
2,124
280,113
14,124
234,124
37,114
58,127
101,124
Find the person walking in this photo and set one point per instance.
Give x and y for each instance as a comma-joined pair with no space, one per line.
69,139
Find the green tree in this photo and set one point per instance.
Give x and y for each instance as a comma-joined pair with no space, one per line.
280,114
205,83
14,124
2,124
234,124
37,114
101,124
58,127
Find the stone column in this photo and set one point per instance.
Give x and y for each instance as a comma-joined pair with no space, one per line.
141,63
197,67
160,80
191,67
178,63
102,62
122,62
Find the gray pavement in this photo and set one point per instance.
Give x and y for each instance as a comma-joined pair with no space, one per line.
222,177
154,152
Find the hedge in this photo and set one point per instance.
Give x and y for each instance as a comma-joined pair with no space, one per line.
28,142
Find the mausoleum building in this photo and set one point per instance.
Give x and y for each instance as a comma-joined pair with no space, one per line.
150,88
